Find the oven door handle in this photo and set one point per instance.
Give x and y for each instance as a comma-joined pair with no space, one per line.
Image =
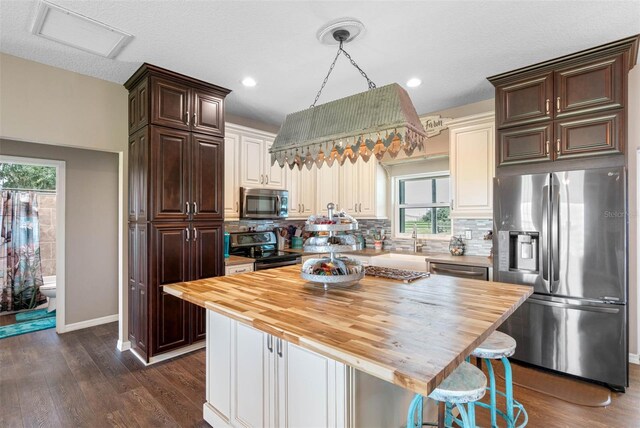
278,205
267,265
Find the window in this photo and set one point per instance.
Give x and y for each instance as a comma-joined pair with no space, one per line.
423,202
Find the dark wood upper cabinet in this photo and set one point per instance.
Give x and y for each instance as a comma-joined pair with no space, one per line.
138,174
526,100
577,102
524,144
170,174
170,104
207,113
207,168
138,106
595,134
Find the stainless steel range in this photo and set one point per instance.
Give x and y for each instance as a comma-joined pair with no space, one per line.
261,246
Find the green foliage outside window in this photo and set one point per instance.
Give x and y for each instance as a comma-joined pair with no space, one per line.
28,177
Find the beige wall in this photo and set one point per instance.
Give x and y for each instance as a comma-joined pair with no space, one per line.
48,105
633,147
91,229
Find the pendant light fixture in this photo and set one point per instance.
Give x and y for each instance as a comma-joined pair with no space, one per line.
373,122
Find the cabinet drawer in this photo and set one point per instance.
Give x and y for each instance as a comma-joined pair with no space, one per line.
459,271
233,270
524,145
588,87
589,135
525,101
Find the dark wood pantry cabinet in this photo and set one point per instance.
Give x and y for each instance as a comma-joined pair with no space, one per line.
566,108
176,173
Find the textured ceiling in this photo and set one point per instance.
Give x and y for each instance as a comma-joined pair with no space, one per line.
451,46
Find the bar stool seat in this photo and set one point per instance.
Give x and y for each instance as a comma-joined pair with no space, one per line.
462,388
496,346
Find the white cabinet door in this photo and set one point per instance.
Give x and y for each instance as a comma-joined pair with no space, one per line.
471,163
349,183
274,176
231,175
307,192
311,389
252,377
328,187
251,162
293,186
218,393
367,188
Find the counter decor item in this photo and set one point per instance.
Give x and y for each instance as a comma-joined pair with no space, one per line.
456,246
296,242
378,239
403,275
227,236
332,271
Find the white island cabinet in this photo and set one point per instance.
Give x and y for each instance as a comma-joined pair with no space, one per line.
257,380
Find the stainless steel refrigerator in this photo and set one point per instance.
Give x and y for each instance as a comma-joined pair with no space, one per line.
565,234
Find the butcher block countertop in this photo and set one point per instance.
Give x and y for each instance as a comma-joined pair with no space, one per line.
412,335
237,260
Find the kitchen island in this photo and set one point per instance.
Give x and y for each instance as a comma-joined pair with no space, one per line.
281,352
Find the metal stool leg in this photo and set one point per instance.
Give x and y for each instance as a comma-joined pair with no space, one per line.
411,422
464,416
471,410
508,380
448,416
492,392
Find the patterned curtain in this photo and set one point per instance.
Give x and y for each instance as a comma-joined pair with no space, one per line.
20,270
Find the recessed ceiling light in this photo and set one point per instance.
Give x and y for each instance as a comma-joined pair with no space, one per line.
72,29
249,82
414,82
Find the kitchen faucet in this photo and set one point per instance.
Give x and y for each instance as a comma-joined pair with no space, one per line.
417,247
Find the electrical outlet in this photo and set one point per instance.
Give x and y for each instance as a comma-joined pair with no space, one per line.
467,234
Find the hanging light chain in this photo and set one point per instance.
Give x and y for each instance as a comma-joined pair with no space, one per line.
333,64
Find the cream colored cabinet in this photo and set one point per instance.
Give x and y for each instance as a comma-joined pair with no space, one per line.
256,170
328,187
472,165
231,175
237,269
302,191
257,380
363,189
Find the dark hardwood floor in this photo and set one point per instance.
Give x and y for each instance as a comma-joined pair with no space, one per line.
79,379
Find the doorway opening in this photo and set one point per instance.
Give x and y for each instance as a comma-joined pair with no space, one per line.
31,245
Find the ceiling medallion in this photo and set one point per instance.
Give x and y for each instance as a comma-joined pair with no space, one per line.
377,121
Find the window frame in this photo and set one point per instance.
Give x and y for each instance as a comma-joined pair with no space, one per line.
396,206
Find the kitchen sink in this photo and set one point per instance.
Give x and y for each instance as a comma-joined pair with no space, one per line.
400,261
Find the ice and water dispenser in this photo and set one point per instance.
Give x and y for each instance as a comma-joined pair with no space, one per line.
519,251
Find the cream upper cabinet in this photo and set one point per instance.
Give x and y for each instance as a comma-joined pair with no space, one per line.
274,176
302,191
363,189
472,165
328,187
231,175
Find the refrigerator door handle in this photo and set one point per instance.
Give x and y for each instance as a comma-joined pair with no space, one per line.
555,238
545,233
610,309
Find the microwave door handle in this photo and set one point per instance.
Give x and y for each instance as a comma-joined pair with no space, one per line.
278,205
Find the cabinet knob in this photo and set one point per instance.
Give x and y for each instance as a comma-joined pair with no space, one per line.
195,234
558,104
188,116
279,344
270,343
195,208
267,178
546,152
302,207
261,179
558,146
237,206
188,234
547,105
195,120
188,207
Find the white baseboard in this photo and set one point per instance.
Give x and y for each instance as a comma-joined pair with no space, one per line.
138,356
634,358
177,352
123,345
88,323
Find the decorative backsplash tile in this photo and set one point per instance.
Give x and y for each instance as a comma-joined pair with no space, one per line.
476,246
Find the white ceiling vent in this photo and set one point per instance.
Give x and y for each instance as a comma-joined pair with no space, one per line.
72,29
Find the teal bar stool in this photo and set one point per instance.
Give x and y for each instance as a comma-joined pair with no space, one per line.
462,388
500,346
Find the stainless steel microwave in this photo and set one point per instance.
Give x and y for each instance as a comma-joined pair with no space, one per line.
264,203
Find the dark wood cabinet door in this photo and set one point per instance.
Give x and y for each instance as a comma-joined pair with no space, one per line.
524,144
133,110
589,87
138,106
170,260
208,117
138,174
142,299
207,262
595,134
133,313
207,169
170,104
523,101
170,174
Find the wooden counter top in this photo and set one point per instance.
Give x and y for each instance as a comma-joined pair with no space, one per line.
412,335
237,260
